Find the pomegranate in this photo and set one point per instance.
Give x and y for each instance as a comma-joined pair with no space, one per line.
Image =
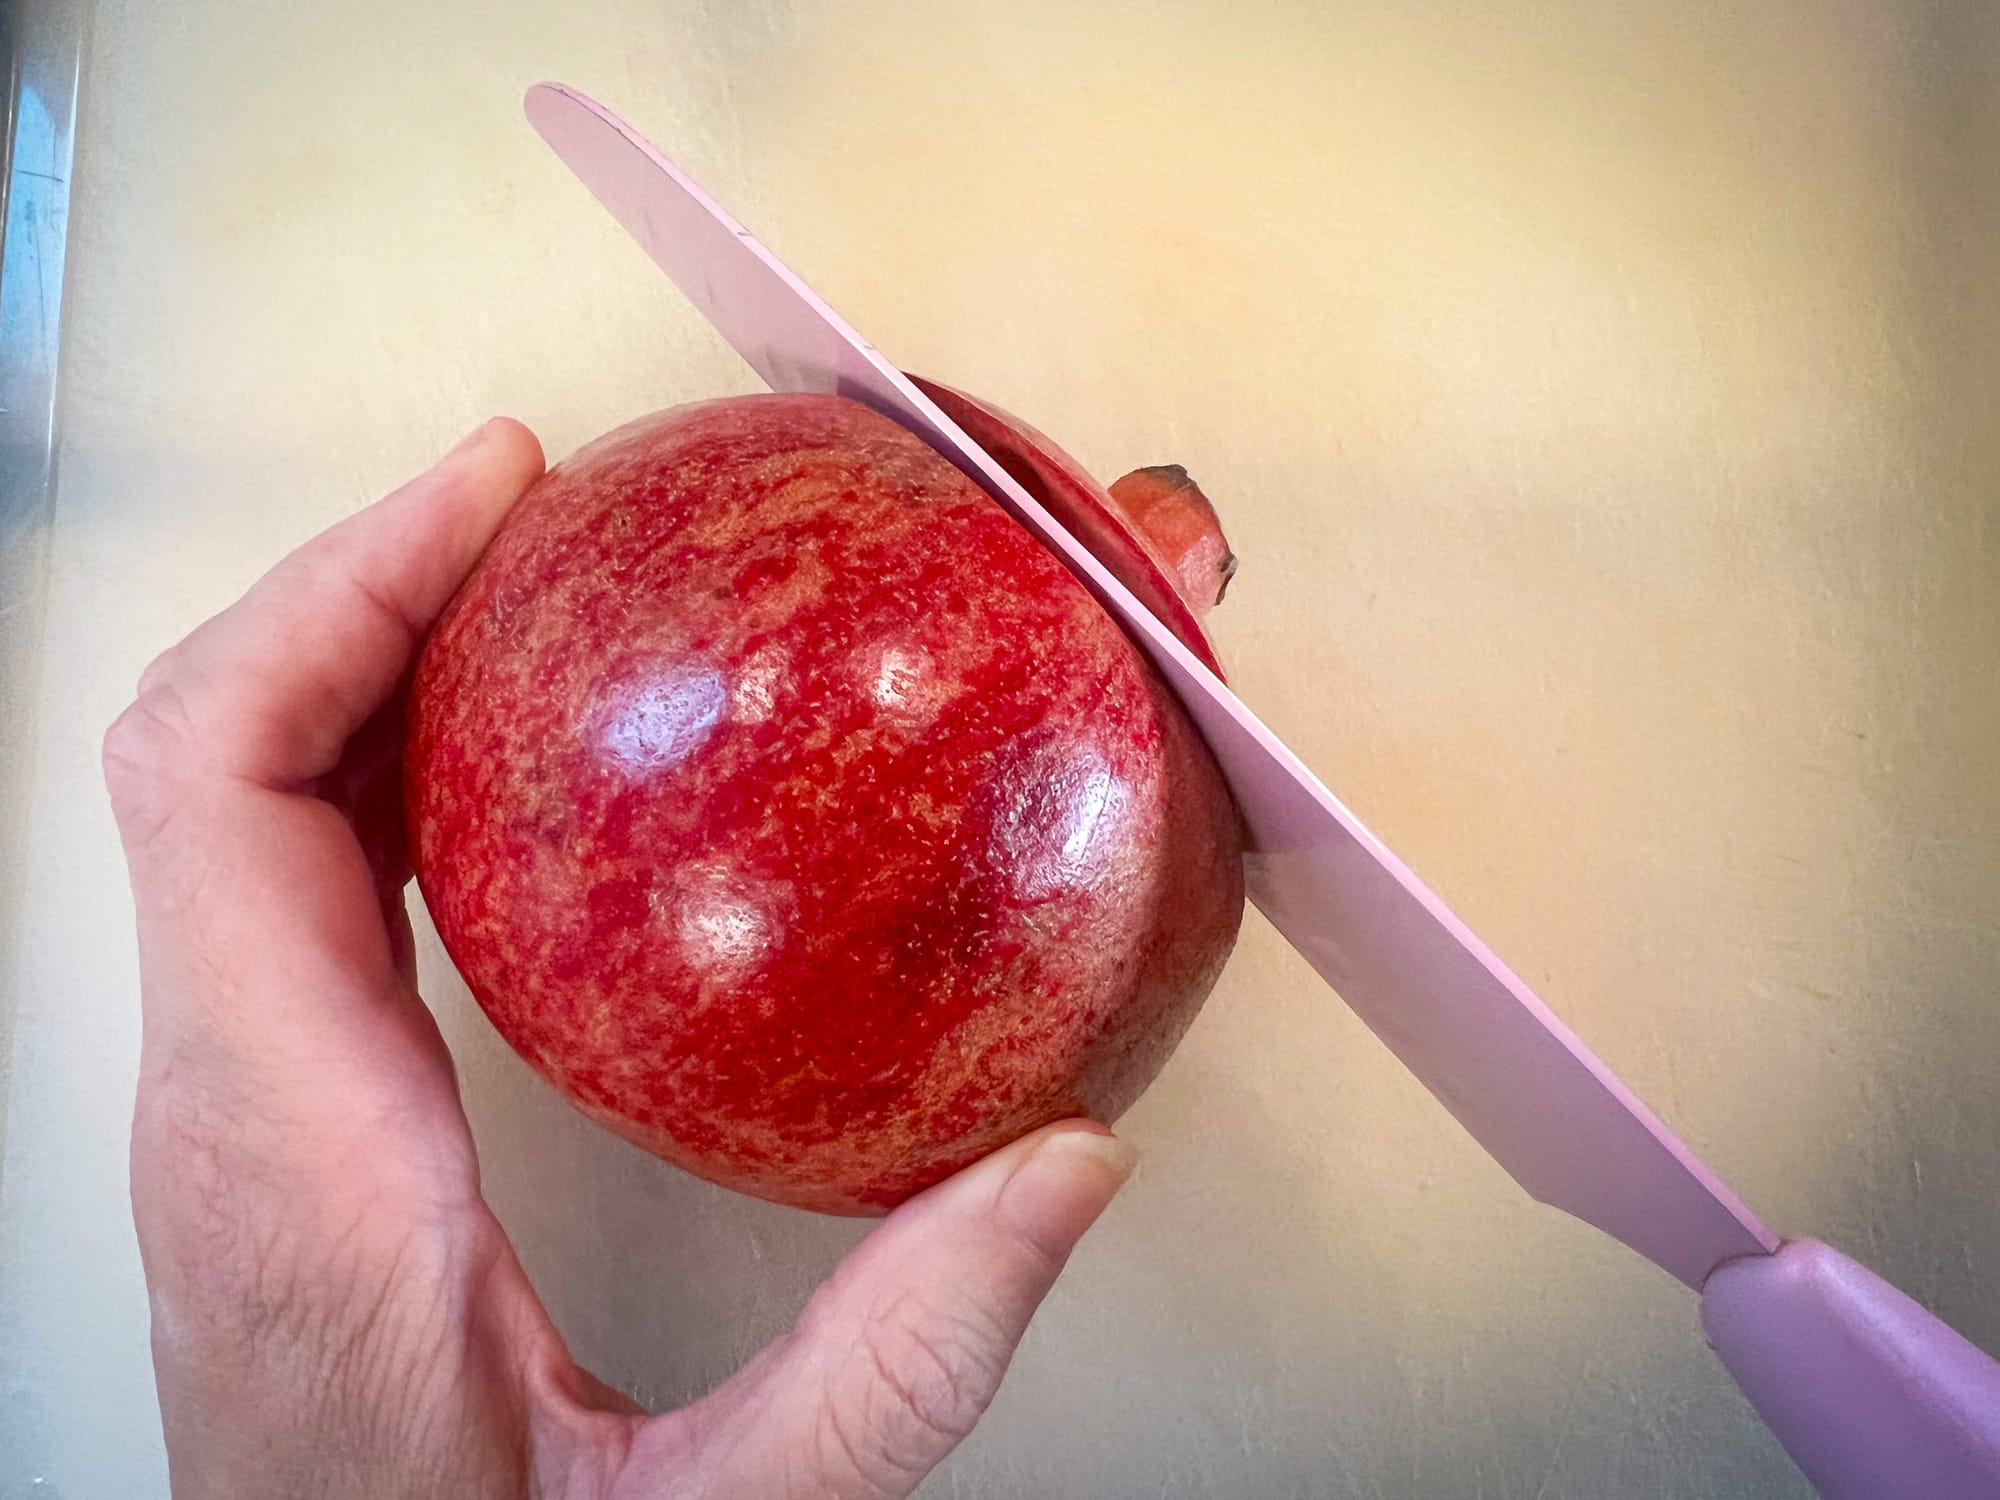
797,814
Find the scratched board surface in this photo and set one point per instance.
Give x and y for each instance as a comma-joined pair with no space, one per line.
1601,405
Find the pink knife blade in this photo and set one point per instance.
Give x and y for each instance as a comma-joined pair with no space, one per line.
1554,1116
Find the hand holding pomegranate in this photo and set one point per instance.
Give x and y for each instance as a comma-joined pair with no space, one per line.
334,1303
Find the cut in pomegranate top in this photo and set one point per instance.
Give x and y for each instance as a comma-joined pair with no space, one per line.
1154,530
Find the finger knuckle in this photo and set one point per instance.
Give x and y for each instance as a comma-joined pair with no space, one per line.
930,1375
160,669
144,754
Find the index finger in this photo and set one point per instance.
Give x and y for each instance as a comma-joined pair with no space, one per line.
270,690
265,965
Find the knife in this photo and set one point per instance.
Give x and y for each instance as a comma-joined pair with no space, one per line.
1870,1393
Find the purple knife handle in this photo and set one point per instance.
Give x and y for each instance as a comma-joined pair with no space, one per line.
1870,1394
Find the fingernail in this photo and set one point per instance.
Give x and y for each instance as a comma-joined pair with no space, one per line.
472,439
1064,1183
1100,1147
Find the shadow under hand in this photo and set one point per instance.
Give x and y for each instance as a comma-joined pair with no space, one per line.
662,1284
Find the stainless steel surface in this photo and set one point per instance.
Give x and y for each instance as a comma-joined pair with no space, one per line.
1601,398
42,43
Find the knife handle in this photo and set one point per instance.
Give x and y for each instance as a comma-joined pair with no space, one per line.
1870,1394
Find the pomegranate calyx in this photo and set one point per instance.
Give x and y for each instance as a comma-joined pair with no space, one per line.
1165,503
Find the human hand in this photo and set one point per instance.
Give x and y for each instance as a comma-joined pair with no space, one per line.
336,1311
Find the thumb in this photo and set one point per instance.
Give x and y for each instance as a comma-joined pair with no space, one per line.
899,1353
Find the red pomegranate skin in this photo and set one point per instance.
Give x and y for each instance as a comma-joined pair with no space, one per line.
801,818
